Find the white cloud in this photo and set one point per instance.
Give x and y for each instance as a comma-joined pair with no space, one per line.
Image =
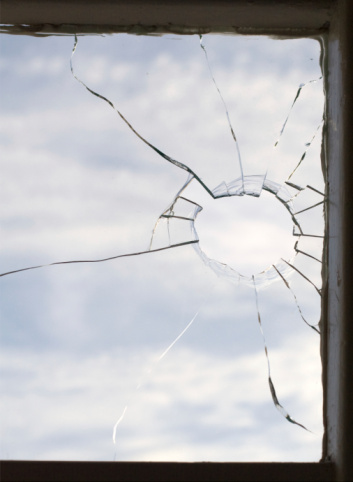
189,396
77,184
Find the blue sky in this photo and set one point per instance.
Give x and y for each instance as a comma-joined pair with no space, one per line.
78,184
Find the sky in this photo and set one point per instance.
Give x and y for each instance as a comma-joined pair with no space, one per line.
87,349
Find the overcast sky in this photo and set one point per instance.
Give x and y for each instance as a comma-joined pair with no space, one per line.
78,184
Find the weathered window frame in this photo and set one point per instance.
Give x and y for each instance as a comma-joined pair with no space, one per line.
331,19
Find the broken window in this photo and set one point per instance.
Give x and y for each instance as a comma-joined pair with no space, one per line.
188,170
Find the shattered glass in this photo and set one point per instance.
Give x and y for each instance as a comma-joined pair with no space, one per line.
162,225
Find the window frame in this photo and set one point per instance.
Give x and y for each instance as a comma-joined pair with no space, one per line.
329,20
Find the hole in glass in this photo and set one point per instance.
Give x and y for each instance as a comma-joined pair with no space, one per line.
248,233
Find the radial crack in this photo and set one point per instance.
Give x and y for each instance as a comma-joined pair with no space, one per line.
303,275
279,407
295,186
300,88
313,189
169,216
295,299
306,150
308,235
101,260
169,212
226,110
310,207
158,151
305,254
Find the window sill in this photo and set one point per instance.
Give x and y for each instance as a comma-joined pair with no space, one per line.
28,471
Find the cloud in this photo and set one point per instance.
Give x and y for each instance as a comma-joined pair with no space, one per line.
79,184
192,407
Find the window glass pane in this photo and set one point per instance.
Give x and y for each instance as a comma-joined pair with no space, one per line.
232,125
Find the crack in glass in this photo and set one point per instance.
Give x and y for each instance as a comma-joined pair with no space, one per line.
184,210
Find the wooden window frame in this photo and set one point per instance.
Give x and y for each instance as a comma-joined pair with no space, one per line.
332,21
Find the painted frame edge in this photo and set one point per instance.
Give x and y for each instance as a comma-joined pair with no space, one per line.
338,337
311,15
29,471
337,355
